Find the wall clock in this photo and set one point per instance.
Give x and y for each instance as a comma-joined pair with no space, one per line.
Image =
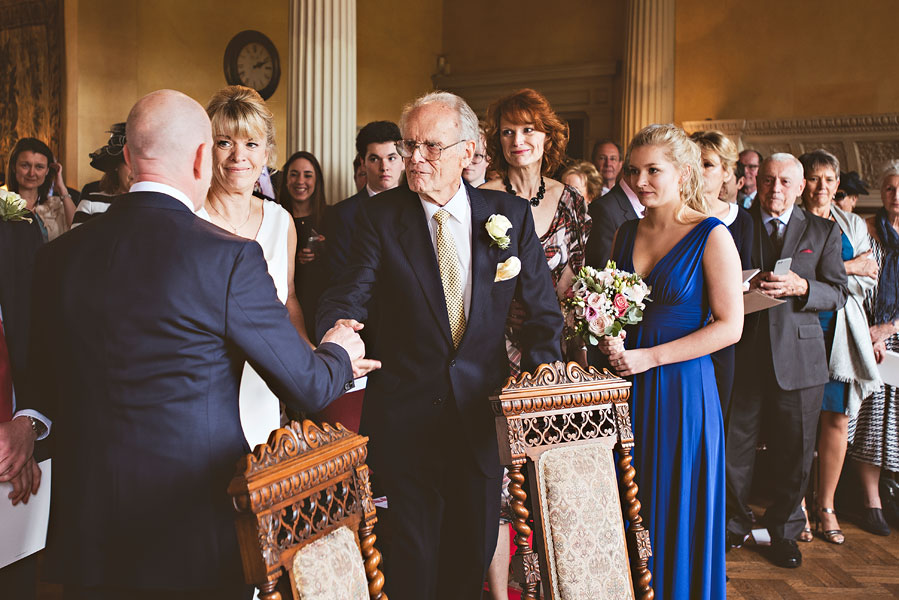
251,59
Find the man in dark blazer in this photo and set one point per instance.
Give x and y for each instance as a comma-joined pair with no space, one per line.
376,144
440,336
146,317
609,212
781,359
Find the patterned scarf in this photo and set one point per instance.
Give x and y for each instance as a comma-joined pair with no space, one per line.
887,307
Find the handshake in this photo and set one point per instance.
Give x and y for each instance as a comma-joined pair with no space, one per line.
345,334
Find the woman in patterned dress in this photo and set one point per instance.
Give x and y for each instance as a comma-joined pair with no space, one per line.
875,444
526,143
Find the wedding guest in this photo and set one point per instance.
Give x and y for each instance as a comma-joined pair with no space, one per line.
424,250
750,159
875,444
689,259
358,173
115,181
851,187
31,172
302,194
243,142
852,366
526,143
583,177
732,186
476,171
719,155
606,157
781,358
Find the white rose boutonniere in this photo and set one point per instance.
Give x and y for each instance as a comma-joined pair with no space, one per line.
13,207
497,228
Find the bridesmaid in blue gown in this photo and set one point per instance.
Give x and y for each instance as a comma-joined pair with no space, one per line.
691,263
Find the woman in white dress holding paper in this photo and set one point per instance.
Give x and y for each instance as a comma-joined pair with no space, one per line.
243,141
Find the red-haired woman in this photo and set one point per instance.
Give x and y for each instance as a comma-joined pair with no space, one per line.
526,143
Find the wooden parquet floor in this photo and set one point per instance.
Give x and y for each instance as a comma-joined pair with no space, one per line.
866,566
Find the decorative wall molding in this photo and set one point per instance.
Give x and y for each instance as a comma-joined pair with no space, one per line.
861,142
584,91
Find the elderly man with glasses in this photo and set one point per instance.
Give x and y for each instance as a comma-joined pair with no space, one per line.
442,261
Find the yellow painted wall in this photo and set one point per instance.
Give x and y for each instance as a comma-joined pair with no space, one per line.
397,44
176,44
484,36
776,59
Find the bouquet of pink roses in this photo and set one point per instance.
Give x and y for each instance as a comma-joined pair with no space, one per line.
601,303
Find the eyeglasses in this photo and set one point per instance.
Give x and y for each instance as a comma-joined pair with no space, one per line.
429,150
478,158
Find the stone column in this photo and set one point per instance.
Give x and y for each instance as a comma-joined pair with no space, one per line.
321,114
648,66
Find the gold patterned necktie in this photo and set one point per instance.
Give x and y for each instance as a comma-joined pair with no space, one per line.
448,261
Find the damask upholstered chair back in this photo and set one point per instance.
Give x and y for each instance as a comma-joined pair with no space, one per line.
304,506
561,425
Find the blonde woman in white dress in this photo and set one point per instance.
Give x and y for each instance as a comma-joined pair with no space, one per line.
243,141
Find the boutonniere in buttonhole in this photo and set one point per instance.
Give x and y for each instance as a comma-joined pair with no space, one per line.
13,207
497,227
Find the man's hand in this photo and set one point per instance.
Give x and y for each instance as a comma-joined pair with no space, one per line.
344,334
863,265
26,483
880,349
779,286
879,333
16,446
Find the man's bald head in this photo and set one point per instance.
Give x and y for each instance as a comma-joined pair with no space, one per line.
168,135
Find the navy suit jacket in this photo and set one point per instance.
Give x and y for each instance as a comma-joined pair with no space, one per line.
342,219
146,315
608,213
393,258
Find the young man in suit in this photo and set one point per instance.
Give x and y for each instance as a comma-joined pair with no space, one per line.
781,358
147,316
376,145
444,281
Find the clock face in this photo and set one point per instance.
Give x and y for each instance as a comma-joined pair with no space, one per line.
251,59
254,66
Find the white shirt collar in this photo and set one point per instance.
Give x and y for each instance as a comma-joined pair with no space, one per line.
155,186
784,218
632,198
370,191
457,206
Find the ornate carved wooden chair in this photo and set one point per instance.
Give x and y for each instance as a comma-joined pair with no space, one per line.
562,424
304,506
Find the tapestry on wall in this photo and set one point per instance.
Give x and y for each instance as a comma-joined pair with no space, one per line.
31,73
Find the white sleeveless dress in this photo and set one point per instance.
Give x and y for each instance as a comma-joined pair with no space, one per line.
260,410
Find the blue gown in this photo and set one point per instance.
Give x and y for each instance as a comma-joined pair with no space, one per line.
678,428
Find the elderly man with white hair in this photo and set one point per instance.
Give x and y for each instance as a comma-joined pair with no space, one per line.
781,359
443,261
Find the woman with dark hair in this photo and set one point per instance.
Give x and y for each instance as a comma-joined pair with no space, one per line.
302,194
525,144
31,172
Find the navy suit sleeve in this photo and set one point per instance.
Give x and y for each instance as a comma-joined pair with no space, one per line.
38,393
599,244
338,240
830,287
258,324
541,331
351,291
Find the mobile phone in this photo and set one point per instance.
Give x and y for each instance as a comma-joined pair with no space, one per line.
782,267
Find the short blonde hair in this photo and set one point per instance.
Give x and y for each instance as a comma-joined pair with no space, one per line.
238,111
590,174
715,141
684,154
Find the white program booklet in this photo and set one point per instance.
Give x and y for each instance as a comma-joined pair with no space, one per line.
24,526
889,368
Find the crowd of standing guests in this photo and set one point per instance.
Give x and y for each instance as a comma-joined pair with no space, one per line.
688,213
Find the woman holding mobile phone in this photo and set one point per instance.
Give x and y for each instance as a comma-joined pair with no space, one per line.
302,194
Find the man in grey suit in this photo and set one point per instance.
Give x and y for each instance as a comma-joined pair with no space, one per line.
781,359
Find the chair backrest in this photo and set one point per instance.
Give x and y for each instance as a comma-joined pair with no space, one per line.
304,506
561,425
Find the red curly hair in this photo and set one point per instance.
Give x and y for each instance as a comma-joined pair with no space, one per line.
526,106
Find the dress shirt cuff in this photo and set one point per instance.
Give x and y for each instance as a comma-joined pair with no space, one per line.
35,415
